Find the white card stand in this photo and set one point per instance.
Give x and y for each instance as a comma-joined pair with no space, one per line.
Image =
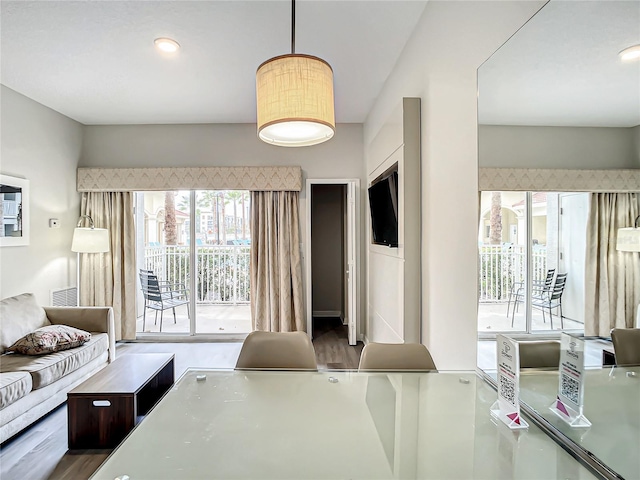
507,407
512,420
569,415
569,401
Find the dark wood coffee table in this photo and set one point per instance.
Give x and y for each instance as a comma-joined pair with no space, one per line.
105,408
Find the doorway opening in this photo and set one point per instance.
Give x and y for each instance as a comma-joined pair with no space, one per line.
331,263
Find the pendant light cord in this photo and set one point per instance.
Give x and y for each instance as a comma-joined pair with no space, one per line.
293,26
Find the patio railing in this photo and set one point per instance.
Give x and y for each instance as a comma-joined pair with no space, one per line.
500,266
222,271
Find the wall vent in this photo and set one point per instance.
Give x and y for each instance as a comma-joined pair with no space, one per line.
64,297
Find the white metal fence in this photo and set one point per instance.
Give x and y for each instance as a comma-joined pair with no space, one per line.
500,266
222,271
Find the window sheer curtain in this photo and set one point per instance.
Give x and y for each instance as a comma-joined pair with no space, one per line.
612,278
109,279
276,273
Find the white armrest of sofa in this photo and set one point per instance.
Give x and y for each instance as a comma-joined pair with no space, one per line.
91,319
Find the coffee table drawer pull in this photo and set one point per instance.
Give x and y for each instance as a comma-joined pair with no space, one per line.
101,403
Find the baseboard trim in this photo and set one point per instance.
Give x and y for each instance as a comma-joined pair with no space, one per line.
328,313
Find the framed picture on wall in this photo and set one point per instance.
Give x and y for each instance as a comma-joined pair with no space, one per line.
14,211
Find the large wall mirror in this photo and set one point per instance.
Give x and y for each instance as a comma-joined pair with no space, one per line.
558,95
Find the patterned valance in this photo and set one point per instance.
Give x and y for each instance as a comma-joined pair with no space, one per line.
558,180
189,178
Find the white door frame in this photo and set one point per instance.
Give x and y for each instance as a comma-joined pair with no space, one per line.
353,250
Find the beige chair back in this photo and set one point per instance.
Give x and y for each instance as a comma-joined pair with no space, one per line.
539,354
626,345
396,356
277,351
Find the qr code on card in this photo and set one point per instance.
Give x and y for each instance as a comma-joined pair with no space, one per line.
507,389
570,388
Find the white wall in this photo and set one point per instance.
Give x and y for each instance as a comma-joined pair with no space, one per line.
558,147
439,64
636,145
42,146
394,276
226,145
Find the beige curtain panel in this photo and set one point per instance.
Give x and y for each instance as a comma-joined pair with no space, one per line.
612,278
276,273
109,279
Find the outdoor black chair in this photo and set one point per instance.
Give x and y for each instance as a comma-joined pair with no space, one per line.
540,289
161,295
552,299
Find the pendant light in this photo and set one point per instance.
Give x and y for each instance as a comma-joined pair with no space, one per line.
295,98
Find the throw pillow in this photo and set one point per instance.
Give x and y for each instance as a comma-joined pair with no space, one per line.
20,315
53,338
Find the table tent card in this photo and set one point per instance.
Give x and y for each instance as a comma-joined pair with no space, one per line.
570,400
507,407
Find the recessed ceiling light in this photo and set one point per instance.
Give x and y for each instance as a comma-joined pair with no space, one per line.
167,45
631,53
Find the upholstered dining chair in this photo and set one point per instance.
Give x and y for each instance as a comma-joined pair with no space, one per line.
396,356
277,351
626,345
539,354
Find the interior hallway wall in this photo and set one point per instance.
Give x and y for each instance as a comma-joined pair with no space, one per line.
439,64
558,147
43,146
131,146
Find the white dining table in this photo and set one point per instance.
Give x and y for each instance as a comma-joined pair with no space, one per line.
325,425
611,404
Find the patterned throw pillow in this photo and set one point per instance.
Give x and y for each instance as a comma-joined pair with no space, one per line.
53,338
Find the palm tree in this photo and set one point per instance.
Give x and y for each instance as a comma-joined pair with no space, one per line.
243,198
234,196
209,200
222,202
495,229
170,230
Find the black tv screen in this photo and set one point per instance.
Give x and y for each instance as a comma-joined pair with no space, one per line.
383,203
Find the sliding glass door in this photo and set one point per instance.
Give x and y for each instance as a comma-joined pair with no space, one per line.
531,248
223,244
202,285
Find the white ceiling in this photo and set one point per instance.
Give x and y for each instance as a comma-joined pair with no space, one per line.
562,69
95,61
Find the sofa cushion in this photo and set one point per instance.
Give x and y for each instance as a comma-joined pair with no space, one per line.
13,386
20,315
46,369
53,338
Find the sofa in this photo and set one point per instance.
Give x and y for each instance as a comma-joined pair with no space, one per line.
33,385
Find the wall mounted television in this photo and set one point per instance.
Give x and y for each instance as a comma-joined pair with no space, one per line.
383,204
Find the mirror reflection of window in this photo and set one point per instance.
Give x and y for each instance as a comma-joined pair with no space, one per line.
10,211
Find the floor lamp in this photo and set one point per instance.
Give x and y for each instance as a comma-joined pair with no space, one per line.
628,240
88,240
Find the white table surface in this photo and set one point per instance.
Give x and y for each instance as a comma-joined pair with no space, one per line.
294,425
611,404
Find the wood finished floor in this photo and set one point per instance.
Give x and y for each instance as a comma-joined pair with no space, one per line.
40,452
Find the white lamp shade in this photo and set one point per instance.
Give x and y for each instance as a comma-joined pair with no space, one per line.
90,240
295,101
628,240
